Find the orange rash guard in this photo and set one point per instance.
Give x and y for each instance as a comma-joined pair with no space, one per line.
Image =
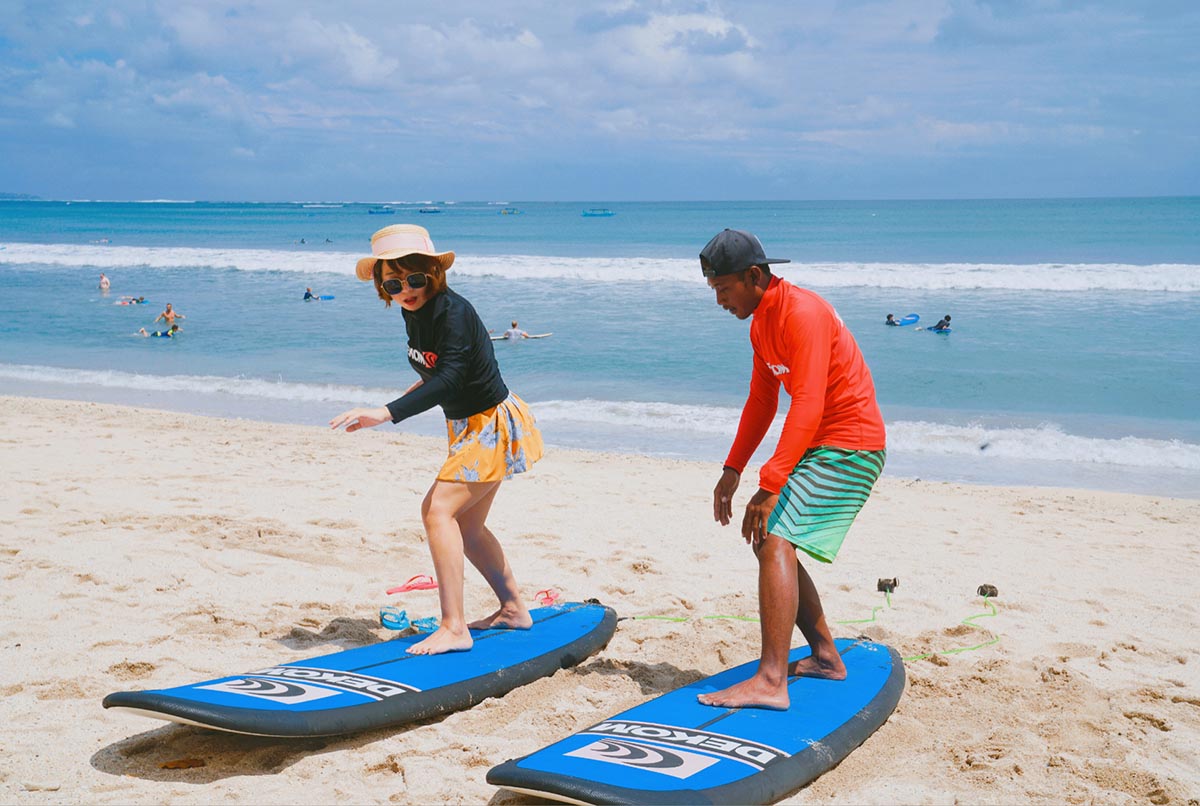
801,342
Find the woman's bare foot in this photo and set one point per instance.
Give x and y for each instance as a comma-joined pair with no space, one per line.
443,640
752,693
508,617
834,669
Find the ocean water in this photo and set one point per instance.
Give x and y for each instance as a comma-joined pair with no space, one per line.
1072,362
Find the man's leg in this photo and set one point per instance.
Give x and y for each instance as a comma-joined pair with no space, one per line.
777,608
825,661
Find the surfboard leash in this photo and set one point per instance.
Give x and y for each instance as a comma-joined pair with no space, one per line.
885,586
970,622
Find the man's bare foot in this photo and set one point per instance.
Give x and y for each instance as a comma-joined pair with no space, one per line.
811,667
443,640
752,693
509,617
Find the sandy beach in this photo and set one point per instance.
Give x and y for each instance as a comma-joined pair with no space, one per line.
144,549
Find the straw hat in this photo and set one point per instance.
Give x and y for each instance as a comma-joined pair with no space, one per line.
399,240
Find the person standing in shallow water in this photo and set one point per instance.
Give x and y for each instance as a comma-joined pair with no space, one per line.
491,431
831,451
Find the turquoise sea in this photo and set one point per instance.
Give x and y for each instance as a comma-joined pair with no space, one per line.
1073,359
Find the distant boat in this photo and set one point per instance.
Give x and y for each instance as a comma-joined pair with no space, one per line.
381,211
510,211
597,212
429,210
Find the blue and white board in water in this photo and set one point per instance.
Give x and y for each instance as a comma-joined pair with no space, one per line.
674,750
911,319
380,685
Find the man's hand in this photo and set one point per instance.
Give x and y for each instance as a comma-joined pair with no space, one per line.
754,523
723,496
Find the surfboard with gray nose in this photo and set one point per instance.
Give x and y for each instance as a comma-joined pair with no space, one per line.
380,685
673,750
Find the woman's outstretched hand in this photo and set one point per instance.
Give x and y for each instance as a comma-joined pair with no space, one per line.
361,418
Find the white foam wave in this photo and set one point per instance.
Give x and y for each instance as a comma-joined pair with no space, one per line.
1047,442
201,384
1168,277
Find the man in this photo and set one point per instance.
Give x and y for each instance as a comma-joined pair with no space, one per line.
830,452
515,332
169,315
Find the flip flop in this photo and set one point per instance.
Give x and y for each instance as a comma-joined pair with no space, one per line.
421,582
428,624
547,597
393,618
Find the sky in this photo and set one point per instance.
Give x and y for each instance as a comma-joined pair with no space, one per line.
631,100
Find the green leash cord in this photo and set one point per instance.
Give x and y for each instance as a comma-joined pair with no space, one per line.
969,621
874,612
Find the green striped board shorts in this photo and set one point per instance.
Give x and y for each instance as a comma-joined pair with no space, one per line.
823,495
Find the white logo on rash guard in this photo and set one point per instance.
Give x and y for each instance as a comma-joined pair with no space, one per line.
778,369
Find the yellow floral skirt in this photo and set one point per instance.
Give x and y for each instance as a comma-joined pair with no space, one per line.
492,445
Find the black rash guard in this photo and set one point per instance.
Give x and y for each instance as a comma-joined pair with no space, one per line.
451,350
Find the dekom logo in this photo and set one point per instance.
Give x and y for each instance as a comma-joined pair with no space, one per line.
648,757
747,752
372,687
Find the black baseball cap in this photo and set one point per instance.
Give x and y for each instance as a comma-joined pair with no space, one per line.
731,251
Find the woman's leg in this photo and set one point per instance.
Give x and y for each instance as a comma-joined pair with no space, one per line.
484,551
445,502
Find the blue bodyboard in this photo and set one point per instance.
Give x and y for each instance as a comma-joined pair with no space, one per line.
380,685
911,319
674,750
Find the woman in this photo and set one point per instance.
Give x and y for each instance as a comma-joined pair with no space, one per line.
491,432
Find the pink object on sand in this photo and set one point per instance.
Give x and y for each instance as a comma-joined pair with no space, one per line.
421,582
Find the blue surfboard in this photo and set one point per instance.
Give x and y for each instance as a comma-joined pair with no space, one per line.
674,750
380,685
911,319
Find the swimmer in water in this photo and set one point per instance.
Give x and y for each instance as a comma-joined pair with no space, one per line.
161,334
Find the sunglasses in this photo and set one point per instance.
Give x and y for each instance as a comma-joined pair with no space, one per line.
395,287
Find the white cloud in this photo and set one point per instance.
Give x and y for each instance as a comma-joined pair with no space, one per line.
867,82
336,50
61,120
